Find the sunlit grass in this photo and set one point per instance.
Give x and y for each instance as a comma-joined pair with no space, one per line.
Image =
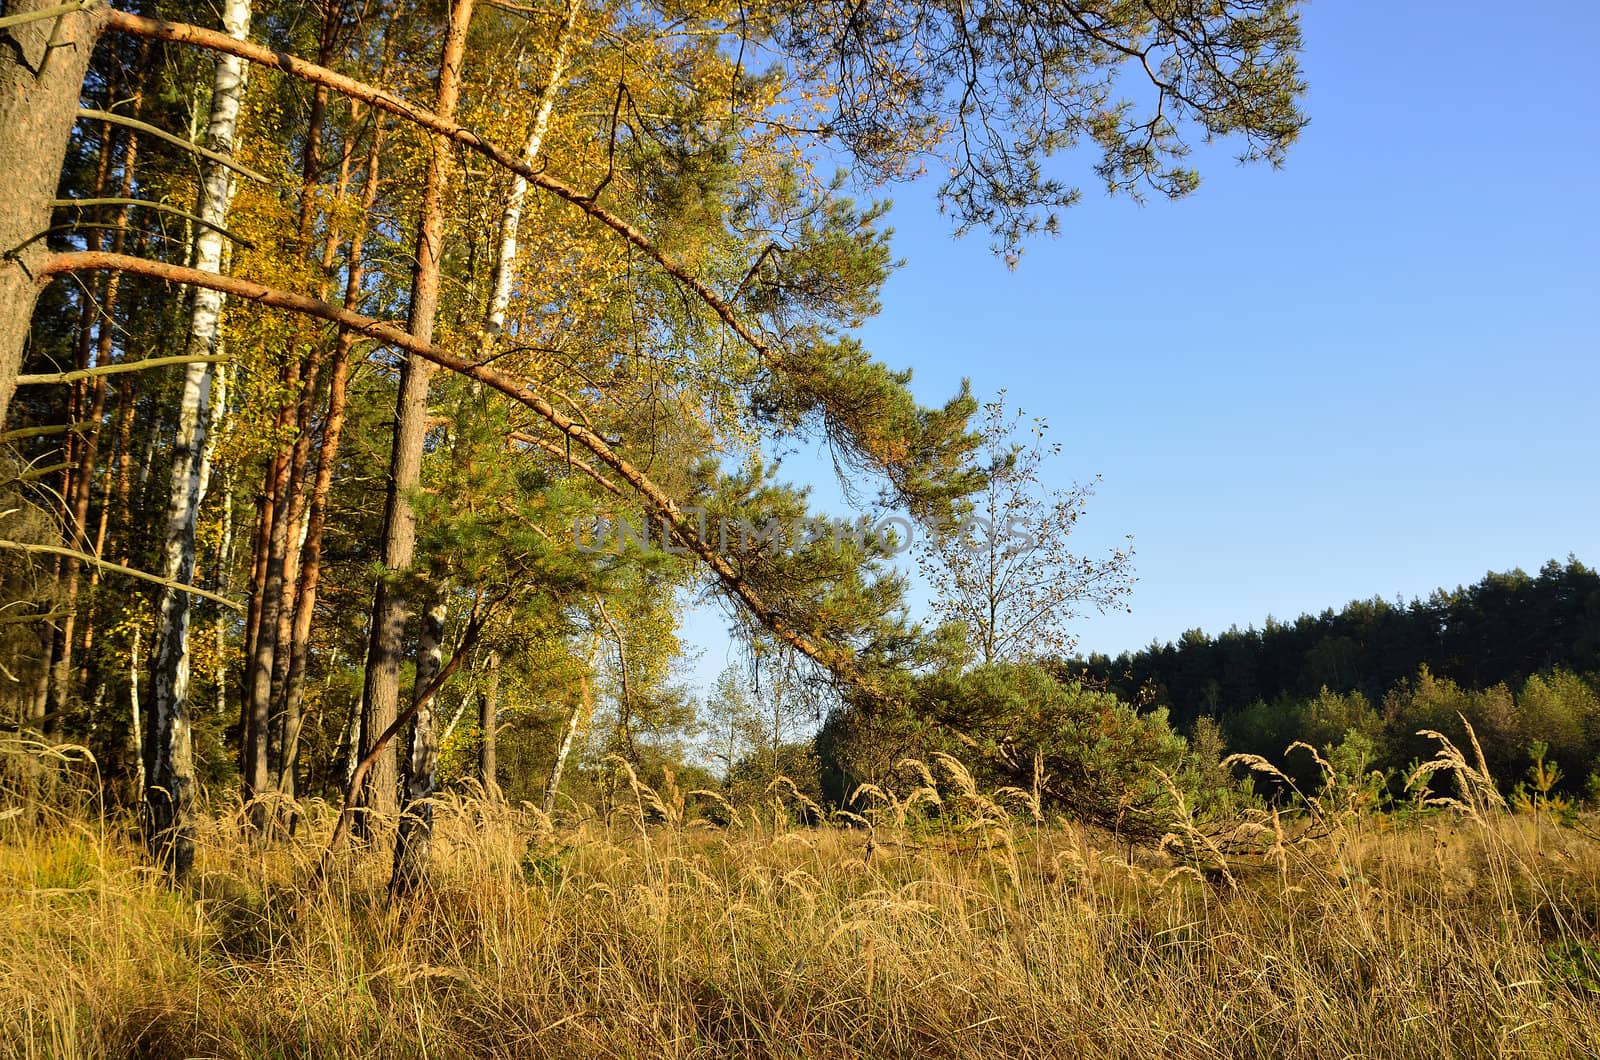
939,922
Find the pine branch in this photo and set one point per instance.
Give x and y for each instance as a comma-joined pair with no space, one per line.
834,658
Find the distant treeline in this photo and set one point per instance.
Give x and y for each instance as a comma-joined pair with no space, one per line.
1501,630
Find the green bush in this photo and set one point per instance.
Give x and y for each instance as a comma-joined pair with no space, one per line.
1086,753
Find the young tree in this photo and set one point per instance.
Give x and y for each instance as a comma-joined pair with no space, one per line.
1001,568
783,709
726,720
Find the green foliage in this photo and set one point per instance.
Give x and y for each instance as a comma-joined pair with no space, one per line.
993,89
1331,718
1081,752
770,772
1212,791
1087,752
1438,704
1518,733
1576,964
1352,779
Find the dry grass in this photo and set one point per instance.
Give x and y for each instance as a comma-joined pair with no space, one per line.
977,932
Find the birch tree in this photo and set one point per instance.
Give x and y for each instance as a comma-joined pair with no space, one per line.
170,766
1002,568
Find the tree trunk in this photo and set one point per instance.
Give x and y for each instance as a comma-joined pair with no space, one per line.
170,765
137,725
219,584
380,695
511,216
104,348
488,721
266,715
81,452
414,836
42,66
575,721
253,712
332,432
273,648
494,323
625,691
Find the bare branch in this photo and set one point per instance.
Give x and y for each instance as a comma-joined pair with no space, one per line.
50,12
159,206
154,579
557,451
117,369
178,141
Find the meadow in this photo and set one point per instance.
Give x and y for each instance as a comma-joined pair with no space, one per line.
937,921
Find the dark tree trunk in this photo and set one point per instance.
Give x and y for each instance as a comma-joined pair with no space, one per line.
253,714
488,721
266,723
332,433
80,456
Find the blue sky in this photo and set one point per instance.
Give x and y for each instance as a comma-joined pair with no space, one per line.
1372,372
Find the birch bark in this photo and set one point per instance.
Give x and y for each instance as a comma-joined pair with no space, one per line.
169,768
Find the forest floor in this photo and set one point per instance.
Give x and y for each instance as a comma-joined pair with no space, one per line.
975,934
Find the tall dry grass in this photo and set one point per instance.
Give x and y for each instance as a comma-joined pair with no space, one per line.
937,921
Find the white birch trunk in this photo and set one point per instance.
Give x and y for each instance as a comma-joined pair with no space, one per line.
454,721
133,702
170,766
575,723
219,674
511,218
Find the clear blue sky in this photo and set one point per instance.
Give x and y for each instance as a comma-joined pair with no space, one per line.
1374,371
